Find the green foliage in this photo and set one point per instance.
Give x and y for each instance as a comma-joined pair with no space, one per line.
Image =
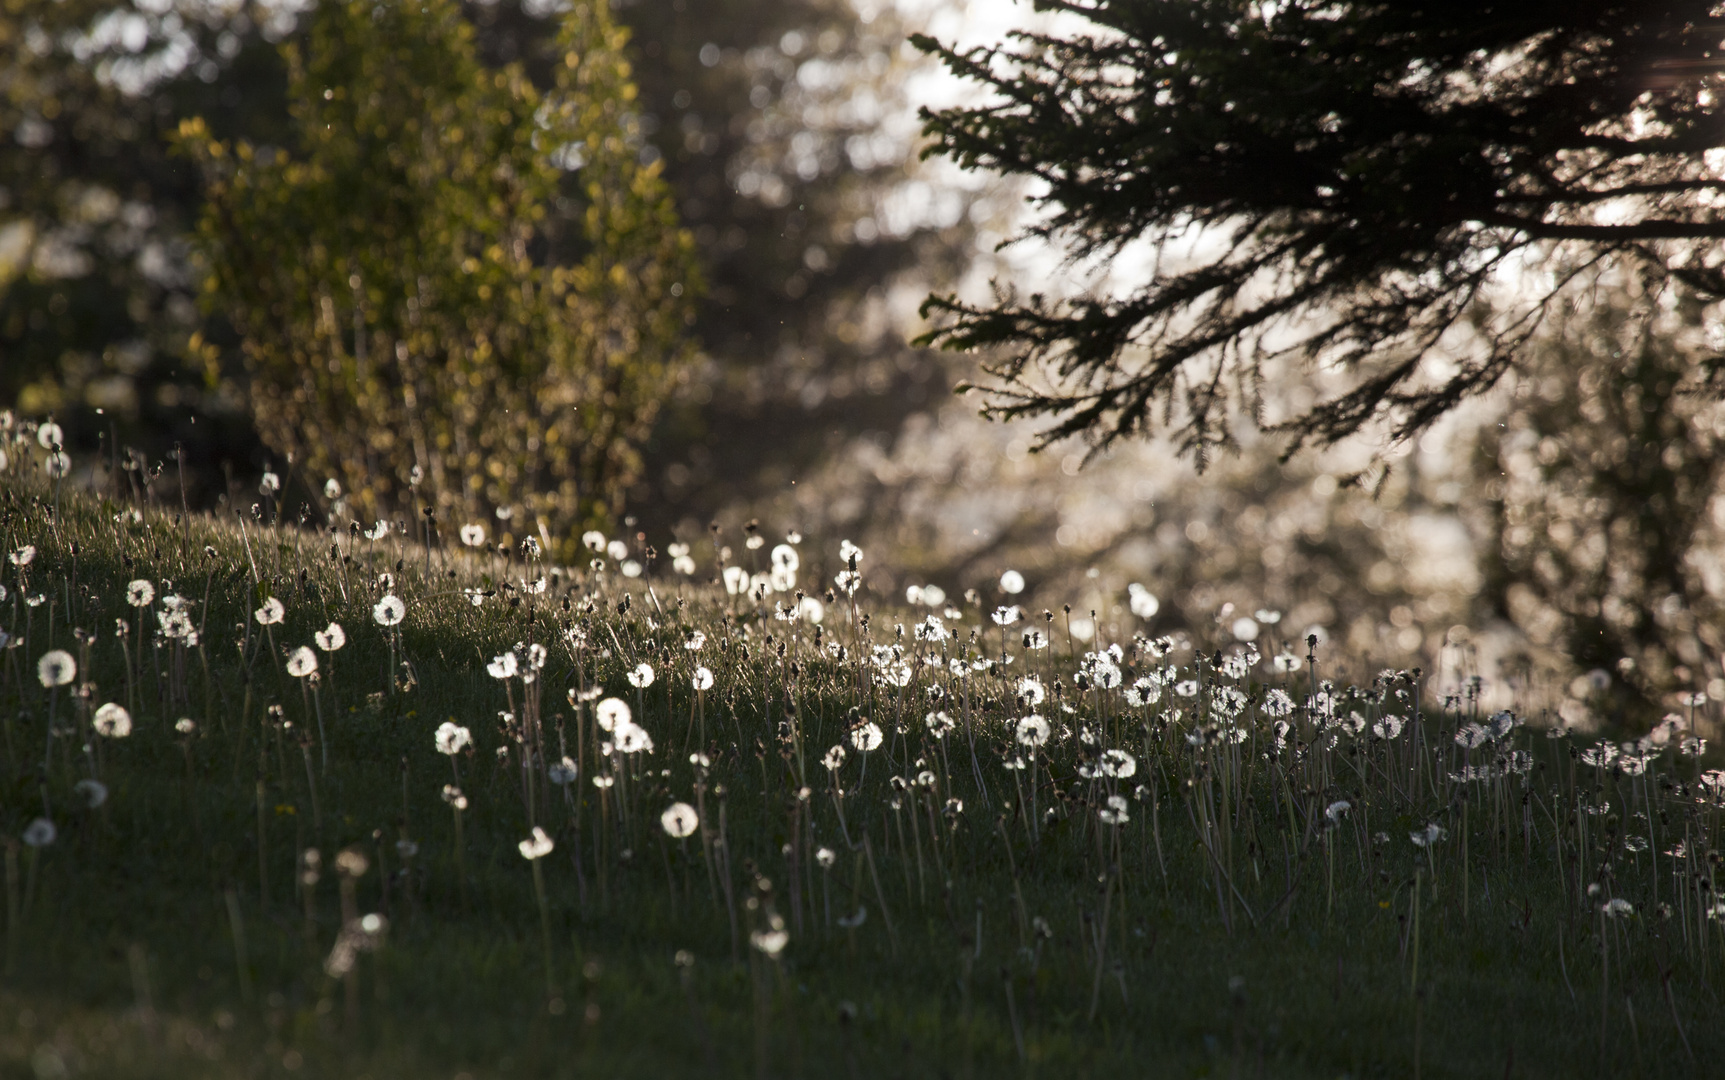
390,280
1599,488
1333,185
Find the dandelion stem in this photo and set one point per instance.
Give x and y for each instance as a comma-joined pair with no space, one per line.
544,928
237,928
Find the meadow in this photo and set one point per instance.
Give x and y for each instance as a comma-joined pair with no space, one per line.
403,798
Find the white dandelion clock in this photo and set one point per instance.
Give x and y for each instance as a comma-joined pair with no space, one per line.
506,666
1030,690
771,941
536,846
679,820
866,736
736,580
21,558
939,724
1115,811
473,535
1012,583
702,679
141,593
93,792
271,613
633,739
612,713
112,721
330,638
811,610
452,738
56,668
1118,764
301,662
39,833
642,676
833,758
1428,836
1032,731
389,611
849,553
563,773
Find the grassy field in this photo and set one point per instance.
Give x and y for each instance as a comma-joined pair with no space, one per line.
1184,857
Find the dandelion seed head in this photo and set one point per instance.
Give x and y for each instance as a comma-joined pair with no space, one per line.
185,725
506,666
56,668
679,820
642,676
563,773
473,535
633,739
39,833
389,611
271,613
23,557
1032,731
702,679
301,662
141,593
330,638
451,738
332,488
833,758
1428,836
771,942
1030,690
939,724
611,713
825,858
536,846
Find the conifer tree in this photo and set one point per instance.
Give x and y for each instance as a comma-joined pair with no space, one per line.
1334,187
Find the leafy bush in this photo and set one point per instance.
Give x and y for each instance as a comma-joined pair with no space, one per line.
455,283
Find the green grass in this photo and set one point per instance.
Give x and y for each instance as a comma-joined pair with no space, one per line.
1289,953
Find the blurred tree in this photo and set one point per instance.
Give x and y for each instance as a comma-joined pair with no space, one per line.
1600,484
401,323
96,298
1329,186
781,125
787,135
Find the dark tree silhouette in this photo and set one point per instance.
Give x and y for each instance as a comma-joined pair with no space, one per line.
1356,181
